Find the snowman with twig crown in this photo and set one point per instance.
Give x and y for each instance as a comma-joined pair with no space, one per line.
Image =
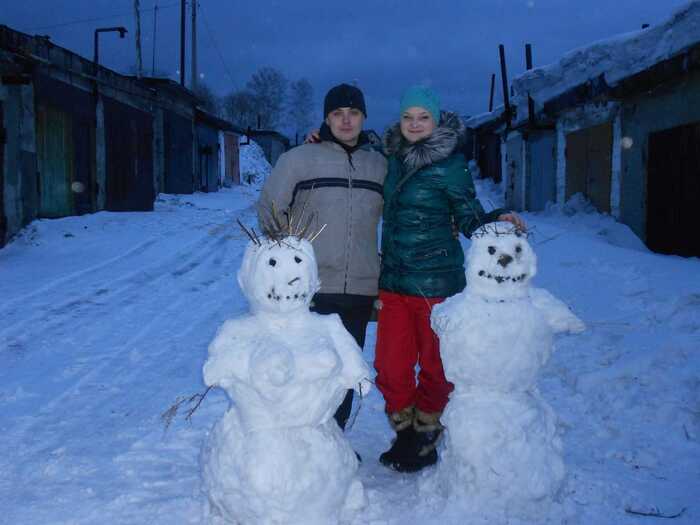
277,456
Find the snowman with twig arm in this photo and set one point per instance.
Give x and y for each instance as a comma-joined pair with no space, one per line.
277,456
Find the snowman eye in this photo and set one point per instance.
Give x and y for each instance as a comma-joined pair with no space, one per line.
492,250
297,259
518,249
272,261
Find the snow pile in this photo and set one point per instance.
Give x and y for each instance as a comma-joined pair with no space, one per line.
254,167
278,456
579,213
502,454
474,169
489,193
615,58
634,375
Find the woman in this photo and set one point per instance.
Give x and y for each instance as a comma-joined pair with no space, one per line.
428,191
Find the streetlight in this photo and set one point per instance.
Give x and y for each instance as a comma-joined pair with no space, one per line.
122,31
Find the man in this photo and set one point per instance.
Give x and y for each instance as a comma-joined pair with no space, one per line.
340,180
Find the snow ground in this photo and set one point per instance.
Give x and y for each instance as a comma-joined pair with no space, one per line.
105,320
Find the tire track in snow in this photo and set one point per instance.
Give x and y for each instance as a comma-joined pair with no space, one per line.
114,321
185,260
64,422
102,272
12,304
91,404
141,293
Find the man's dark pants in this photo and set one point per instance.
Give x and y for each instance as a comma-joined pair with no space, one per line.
355,312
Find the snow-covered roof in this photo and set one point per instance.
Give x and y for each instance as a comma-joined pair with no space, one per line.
484,118
612,59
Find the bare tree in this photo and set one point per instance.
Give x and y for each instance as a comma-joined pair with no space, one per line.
268,86
300,105
207,98
240,107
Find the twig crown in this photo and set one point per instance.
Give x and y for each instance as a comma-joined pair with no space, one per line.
277,226
497,229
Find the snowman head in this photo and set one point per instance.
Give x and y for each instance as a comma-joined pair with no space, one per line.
279,276
500,262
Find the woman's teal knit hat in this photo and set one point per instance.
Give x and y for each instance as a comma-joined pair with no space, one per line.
423,97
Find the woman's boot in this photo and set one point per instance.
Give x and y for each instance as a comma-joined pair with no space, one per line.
416,438
404,445
428,431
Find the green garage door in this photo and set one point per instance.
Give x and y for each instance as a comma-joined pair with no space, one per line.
55,162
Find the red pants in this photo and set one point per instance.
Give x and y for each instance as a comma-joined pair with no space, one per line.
404,339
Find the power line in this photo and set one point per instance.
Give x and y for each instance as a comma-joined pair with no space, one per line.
210,33
96,19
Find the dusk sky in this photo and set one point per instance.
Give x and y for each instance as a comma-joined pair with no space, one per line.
382,45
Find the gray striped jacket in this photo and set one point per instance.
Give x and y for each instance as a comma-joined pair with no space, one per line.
346,197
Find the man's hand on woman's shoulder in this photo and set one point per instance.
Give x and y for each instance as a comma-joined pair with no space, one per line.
314,137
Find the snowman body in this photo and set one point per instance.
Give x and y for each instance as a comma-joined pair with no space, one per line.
278,456
501,448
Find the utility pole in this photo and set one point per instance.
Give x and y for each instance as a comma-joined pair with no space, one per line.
194,46
155,17
183,5
139,62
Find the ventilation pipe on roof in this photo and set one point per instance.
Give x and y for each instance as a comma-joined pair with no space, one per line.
530,102
504,80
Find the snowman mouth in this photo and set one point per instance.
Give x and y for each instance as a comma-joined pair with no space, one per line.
503,278
274,295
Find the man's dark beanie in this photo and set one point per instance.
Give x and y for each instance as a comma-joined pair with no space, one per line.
344,96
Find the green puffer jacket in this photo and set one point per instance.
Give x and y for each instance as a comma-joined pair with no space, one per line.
427,191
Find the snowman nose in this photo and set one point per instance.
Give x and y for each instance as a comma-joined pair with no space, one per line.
504,260
290,283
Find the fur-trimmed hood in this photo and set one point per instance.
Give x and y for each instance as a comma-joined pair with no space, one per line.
445,139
